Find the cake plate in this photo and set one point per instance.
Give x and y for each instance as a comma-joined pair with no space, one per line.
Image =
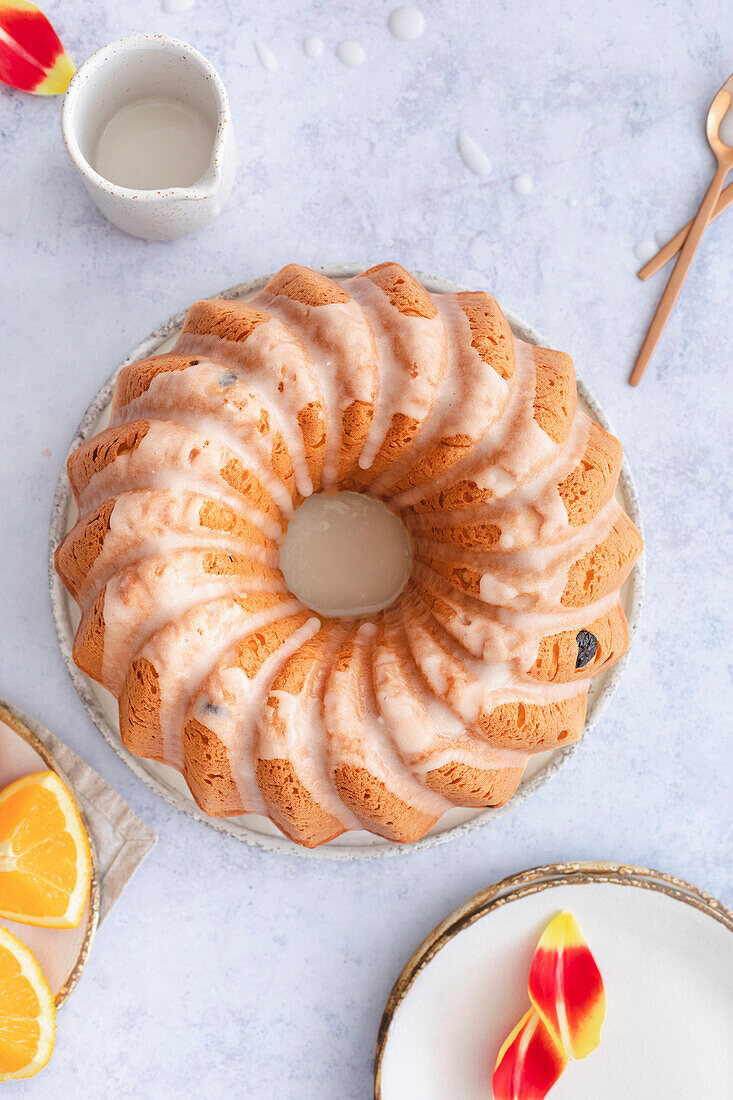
251,828
665,952
61,952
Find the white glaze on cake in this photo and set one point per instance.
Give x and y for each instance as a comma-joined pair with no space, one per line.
387,721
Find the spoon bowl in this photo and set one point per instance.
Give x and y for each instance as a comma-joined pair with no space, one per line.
718,110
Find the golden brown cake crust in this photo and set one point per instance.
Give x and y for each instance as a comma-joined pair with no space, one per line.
605,567
531,727
461,576
300,284
255,649
555,393
296,672
355,424
469,536
467,786
93,457
592,483
214,515
249,486
491,335
140,711
291,807
135,379
462,494
228,320
404,291
557,654
208,773
89,641
82,546
379,809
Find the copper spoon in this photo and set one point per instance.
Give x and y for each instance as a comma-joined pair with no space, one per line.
724,156
672,247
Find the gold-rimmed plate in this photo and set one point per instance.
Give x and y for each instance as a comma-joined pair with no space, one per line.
664,949
61,952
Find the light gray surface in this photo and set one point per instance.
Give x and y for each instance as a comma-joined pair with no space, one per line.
226,969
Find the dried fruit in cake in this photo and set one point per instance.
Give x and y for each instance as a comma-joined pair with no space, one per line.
27,1013
45,861
587,646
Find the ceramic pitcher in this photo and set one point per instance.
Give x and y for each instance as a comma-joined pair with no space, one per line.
143,66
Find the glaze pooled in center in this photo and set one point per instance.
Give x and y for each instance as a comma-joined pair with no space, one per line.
345,554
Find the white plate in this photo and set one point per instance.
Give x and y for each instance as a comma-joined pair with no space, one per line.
61,952
251,828
665,952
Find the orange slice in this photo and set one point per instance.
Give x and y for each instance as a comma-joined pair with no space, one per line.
27,1013
45,863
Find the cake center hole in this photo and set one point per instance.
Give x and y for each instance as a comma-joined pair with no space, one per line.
345,554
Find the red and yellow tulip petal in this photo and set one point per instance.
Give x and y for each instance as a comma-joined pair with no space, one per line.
529,1062
32,58
566,988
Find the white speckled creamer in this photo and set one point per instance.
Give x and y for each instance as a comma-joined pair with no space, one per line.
138,67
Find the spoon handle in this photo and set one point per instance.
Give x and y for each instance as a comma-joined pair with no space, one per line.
679,273
675,244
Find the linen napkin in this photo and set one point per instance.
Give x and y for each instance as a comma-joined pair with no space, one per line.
122,840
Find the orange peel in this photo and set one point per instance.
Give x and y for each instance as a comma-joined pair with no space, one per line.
27,1012
45,858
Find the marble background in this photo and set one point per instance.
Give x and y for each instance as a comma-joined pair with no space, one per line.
225,971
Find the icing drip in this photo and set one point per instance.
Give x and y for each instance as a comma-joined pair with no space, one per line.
468,399
411,353
266,57
341,348
473,155
237,703
277,370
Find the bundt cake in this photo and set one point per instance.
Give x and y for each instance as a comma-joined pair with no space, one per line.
472,437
